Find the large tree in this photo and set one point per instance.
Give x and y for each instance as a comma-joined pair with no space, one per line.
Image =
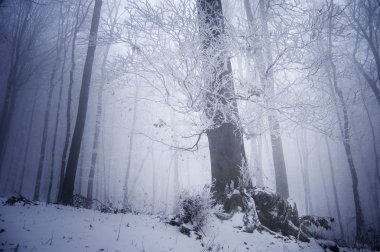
226,146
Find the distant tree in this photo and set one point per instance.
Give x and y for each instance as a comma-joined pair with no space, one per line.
364,18
111,21
341,108
262,55
21,33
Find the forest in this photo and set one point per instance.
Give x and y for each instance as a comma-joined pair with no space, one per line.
154,106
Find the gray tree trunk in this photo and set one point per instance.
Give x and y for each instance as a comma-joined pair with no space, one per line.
335,191
19,37
68,109
303,154
256,150
225,136
130,146
342,113
64,27
98,122
263,59
42,158
69,180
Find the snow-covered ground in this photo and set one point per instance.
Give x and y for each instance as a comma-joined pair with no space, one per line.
60,228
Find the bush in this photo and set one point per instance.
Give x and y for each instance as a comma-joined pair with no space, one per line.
195,208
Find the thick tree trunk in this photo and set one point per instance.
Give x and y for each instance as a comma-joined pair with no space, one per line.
69,180
224,136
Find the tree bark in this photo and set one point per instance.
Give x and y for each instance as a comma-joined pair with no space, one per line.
224,136
69,180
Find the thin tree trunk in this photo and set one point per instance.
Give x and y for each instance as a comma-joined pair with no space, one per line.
345,130
68,110
16,64
69,180
41,162
323,177
130,147
80,166
263,59
256,146
64,29
153,180
303,156
335,191
376,184
133,186
27,145
99,106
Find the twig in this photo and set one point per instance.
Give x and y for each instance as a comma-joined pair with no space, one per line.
192,148
121,220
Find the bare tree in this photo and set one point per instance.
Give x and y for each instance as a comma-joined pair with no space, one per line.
28,22
263,57
80,14
342,114
364,19
111,19
69,180
224,136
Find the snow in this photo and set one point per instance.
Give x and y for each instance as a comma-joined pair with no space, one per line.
61,228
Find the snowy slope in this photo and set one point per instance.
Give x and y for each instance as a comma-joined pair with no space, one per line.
60,228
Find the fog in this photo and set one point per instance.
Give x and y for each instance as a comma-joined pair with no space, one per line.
311,66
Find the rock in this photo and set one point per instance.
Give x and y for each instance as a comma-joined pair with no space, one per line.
175,221
277,214
330,245
233,203
312,223
19,199
223,216
251,220
186,229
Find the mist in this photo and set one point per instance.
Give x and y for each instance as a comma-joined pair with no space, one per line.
172,101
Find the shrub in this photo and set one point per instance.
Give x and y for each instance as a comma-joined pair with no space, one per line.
196,208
